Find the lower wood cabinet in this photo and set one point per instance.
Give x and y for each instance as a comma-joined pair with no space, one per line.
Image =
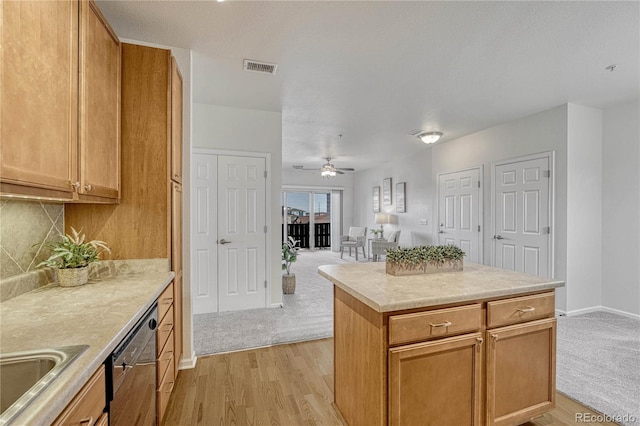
87,407
165,350
436,383
477,363
521,365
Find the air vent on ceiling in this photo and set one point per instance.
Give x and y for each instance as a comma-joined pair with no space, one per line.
414,132
261,67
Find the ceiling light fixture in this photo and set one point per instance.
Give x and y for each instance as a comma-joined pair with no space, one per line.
430,137
611,68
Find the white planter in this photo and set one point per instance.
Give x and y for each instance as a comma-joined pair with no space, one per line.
73,277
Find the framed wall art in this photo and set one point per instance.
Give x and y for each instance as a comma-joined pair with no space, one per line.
376,199
386,192
400,195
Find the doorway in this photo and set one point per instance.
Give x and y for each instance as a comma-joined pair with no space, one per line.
460,211
307,218
228,233
522,199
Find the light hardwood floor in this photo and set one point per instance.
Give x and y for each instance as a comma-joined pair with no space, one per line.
286,385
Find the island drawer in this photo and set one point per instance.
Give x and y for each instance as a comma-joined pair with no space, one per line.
437,323
520,309
165,301
165,358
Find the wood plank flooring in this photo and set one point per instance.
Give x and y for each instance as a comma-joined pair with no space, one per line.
287,385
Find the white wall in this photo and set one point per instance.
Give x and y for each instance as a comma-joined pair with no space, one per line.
238,129
584,208
415,171
620,208
541,132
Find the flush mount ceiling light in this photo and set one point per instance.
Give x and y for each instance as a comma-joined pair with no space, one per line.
430,137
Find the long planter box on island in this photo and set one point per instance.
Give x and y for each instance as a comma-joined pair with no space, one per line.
398,269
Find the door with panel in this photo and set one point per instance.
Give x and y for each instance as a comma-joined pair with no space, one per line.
176,122
39,95
436,383
99,118
459,214
176,266
204,233
522,216
241,233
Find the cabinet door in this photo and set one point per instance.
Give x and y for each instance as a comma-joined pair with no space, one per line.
436,383
99,105
521,372
176,122
38,96
176,265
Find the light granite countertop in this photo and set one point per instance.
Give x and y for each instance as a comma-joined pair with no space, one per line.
369,283
98,314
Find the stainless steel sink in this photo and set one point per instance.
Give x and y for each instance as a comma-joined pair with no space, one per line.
24,375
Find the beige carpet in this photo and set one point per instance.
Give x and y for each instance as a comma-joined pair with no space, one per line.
307,314
598,363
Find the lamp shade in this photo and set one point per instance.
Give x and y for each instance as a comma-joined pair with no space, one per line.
382,218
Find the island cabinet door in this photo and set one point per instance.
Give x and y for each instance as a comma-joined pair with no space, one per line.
436,383
521,372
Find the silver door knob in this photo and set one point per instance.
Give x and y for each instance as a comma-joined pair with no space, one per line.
223,241
498,237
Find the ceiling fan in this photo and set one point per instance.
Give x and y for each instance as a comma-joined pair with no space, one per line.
327,170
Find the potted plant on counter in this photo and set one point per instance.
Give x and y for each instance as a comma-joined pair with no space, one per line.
424,260
289,255
72,256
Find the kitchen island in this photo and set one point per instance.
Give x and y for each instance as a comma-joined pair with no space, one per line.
456,348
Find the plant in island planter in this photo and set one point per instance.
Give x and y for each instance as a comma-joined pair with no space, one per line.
424,260
72,257
289,255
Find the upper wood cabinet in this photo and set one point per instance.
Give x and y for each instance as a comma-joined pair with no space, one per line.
176,122
39,97
99,105
59,97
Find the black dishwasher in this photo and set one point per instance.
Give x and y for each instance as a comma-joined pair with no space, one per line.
131,381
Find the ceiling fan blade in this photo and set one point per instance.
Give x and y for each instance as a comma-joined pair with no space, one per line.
346,169
339,172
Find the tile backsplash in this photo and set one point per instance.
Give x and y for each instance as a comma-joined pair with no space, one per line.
25,228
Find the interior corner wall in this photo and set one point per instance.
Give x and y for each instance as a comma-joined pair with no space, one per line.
415,171
314,180
620,208
540,132
240,129
584,208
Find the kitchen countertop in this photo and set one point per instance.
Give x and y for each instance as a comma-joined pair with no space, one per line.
98,314
370,284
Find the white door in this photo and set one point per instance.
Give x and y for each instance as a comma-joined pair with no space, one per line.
241,233
459,212
204,211
522,240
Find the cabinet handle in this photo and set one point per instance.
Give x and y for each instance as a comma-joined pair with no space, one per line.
171,388
168,355
479,340
527,309
88,421
75,185
442,324
494,337
167,327
167,301
88,187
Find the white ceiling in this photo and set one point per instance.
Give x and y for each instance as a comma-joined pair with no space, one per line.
372,71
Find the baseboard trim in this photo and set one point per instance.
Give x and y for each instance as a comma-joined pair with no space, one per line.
188,363
596,309
277,305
